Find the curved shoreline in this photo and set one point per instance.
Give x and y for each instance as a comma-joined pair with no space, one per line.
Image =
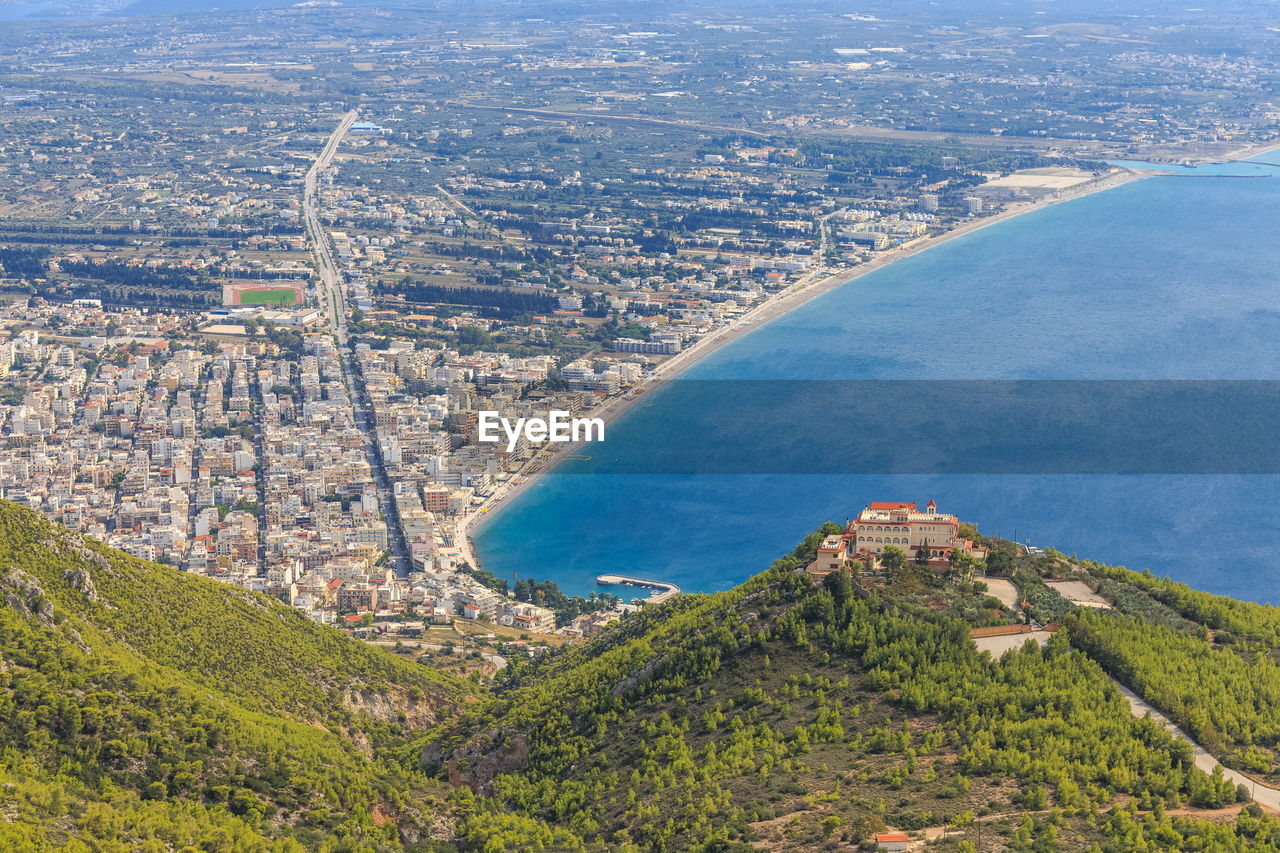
767,311
771,309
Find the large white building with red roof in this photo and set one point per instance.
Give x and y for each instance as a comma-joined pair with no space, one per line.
905,526
902,525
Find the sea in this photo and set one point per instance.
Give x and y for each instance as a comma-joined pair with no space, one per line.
1136,293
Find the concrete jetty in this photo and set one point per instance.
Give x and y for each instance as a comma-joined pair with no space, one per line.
660,590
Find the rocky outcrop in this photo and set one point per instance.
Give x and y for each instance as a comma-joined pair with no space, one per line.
80,579
411,709
24,594
635,679
476,763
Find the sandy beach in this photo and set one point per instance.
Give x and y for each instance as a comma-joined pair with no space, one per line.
1249,151
775,306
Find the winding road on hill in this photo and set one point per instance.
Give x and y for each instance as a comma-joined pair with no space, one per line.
1263,795
1003,589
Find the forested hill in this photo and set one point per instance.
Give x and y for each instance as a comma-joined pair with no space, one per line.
800,714
142,708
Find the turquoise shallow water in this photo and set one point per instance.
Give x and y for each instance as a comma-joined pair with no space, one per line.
1164,278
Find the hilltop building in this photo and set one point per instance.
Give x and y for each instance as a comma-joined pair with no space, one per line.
904,525
901,525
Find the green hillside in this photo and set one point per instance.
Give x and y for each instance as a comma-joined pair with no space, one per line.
793,715
144,709
137,702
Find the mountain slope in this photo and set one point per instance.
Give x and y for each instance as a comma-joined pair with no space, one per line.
184,700
142,709
800,715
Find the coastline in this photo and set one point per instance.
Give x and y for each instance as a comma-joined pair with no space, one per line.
1248,152
772,308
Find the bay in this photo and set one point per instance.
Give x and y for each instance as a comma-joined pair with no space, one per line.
1166,278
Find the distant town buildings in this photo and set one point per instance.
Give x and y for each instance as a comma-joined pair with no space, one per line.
666,346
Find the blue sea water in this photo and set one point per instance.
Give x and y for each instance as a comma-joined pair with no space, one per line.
1165,278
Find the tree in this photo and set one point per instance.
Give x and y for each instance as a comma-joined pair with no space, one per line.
962,564
922,554
1000,563
893,558
969,531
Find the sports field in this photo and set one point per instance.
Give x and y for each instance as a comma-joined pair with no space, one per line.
273,296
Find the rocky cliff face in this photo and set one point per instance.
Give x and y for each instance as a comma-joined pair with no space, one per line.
478,761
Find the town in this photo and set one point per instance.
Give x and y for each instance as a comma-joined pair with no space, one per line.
256,326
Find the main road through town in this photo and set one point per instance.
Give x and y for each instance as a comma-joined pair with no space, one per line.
329,289
331,293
